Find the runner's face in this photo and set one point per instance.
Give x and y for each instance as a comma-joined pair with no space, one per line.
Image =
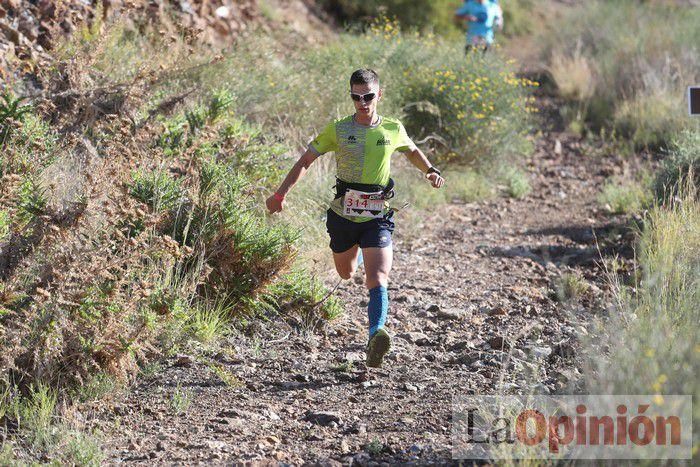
366,109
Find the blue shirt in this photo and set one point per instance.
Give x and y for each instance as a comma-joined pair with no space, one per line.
486,14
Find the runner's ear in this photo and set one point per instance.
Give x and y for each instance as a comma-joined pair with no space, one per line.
380,93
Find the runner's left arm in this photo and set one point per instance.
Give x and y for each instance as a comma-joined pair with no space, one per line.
417,158
420,161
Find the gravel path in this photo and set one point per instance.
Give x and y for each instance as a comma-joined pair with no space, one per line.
472,311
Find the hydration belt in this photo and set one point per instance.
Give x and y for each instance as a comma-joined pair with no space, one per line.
387,192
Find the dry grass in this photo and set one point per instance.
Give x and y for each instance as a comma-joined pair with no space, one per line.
574,74
652,334
627,64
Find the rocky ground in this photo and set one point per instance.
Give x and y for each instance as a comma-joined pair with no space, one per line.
473,311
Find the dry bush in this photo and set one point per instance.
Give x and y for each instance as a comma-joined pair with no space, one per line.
574,75
90,275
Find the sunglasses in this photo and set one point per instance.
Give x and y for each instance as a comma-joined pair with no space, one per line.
369,97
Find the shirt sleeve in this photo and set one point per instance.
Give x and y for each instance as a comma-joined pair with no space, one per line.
463,10
405,143
326,141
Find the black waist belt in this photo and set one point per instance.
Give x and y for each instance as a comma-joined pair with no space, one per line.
341,187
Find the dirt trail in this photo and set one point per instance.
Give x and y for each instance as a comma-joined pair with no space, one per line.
471,312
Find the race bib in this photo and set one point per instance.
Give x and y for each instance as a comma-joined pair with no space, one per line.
361,204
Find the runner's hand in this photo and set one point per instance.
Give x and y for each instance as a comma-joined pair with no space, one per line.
436,180
274,205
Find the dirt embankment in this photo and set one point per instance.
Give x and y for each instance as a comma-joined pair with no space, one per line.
30,29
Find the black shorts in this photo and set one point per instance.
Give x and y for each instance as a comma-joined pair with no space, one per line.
344,233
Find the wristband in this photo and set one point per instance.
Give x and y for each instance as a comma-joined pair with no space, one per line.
278,197
432,170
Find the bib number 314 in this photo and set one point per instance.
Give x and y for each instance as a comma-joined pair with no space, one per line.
361,204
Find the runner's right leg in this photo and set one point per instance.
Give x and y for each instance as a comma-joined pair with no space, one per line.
346,262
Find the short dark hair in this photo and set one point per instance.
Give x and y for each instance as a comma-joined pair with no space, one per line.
364,76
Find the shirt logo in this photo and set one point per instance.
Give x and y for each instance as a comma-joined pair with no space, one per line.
352,139
383,142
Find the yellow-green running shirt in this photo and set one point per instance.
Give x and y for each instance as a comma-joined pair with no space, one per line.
362,153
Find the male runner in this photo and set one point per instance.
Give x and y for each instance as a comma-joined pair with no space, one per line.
483,16
358,217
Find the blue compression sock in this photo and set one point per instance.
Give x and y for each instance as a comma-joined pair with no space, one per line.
377,308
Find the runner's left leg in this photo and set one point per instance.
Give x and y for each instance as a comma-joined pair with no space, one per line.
378,263
377,266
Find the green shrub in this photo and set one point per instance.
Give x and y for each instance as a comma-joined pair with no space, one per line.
623,196
33,415
209,322
570,286
40,430
517,183
434,15
519,16
156,189
32,200
181,399
5,224
29,147
469,110
680,170
11,112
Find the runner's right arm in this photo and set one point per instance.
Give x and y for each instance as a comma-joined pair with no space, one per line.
275,203
325,142
463,13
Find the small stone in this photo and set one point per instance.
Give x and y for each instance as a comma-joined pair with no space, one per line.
134,445
414,337
541,352
498,343
222,12
468,358
410,388
322,418
216,445
564,350
498,311
557,147
183,361
353,357
451,314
